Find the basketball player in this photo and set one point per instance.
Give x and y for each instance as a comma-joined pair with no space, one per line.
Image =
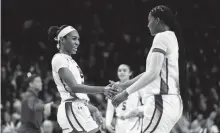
164,76
125,123
74,112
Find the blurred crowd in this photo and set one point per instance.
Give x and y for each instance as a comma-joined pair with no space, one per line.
110,35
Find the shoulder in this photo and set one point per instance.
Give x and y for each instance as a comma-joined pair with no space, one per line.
163,36
58,60
57,56
27,96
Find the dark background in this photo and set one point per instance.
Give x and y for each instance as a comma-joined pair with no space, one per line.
112,32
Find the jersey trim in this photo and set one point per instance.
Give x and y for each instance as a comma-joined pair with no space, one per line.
150,120
158,110
70,113
159,50
159,106
164,87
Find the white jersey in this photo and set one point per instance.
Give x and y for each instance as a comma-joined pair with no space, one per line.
168,81
127,106
61,60
133,124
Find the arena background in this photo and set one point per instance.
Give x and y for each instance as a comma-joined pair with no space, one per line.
112,32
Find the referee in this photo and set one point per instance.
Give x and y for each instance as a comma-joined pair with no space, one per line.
33,109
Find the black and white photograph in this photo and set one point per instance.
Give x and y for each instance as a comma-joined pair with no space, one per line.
110,66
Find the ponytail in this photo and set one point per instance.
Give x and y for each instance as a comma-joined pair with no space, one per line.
183,85
53,31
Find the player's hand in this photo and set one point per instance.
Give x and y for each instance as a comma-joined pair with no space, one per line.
109,92
116,85
119,98
110,128
133,113
98,117
47,109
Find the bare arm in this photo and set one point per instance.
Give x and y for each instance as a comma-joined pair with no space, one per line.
92,108
69,79
109,113
129,82
150,75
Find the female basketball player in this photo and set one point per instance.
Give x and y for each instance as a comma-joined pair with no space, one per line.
164,76
74,111
124,124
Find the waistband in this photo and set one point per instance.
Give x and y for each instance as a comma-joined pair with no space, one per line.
75,100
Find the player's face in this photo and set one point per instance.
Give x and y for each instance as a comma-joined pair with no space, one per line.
152,24
124,72
72,42
37,83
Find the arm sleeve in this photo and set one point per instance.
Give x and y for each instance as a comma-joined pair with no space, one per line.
160,44
109,113
58,62
152,72
34,104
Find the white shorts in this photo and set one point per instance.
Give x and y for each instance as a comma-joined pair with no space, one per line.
132,125
74,116
161,113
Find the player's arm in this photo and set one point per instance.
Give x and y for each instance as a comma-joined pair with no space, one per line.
60,65
129,82
153,70
109,116
92,108
109,113
136,112
37,106
66,75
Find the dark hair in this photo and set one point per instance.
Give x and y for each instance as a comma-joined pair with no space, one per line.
166,15
53,31
32,77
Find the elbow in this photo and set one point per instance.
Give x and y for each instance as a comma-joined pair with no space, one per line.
73,88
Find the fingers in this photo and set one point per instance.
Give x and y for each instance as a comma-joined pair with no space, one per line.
112,82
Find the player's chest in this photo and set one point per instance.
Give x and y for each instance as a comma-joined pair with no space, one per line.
75,69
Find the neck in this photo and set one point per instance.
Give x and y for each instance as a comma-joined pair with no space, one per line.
64,52
164,28
123,81
35,91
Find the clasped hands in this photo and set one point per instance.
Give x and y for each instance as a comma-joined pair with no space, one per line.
116,93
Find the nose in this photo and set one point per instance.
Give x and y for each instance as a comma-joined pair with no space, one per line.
77,43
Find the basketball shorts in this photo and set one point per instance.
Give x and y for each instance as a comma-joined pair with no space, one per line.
131,125
74,116
161,113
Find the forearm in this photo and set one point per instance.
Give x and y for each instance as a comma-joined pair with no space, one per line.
109,113
150,75
131,81
92,108
147,78
38,106
80,88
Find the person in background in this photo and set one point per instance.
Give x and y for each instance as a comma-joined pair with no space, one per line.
33,109
126,122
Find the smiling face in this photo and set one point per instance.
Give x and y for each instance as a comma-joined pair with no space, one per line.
124,72
71,42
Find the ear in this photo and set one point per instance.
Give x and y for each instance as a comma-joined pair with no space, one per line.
131,73
30,84
157,20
